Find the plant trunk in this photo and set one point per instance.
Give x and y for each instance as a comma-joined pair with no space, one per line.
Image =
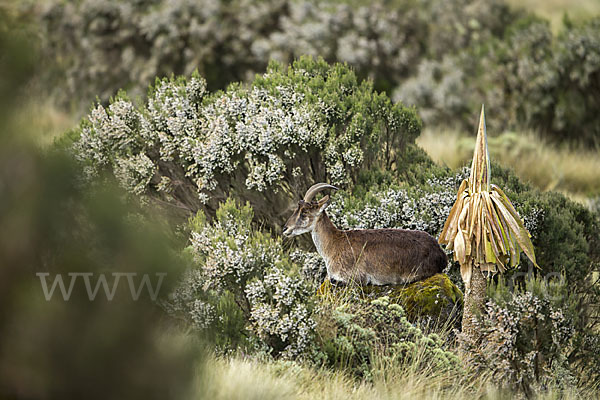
474,302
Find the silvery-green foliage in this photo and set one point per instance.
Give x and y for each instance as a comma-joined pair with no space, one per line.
525,337
108,44
281,312
379,41
394,208
439,89
293,126
234,260
191,300
104,45
230,251
533,221
312,268
459,24
577,63
110,137
528,76
364,330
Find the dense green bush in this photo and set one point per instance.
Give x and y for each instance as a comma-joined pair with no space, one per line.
530,78
264,143
527,337
356,333
101,46
272,309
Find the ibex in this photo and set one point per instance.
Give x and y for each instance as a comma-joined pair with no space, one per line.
365,256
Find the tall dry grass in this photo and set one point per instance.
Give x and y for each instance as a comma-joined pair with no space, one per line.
573,170
242,378
554,10
43,121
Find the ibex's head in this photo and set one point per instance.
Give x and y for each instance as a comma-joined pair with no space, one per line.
306,215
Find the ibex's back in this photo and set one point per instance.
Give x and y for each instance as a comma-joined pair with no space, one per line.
375,256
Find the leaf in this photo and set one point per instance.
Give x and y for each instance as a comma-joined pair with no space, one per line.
492,225
479,179
490,256
475,205
459,247
466,271
515,224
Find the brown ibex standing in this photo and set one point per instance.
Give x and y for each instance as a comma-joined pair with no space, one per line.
365,256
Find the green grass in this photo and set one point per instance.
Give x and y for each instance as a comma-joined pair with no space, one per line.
572,170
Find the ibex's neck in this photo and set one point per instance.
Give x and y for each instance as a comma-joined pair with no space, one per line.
323,234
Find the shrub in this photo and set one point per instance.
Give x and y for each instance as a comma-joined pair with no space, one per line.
526,336
446,57
101,46
358,332
243,288
293,126
281,313
530,78
393,207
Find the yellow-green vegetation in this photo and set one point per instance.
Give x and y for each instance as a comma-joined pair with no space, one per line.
241,378
555,10
435,297
43,121
572,170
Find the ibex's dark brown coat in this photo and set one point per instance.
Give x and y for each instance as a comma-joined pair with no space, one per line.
366,256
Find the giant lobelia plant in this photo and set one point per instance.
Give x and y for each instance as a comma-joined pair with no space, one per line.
484,230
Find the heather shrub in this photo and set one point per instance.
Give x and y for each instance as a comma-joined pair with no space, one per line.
527,336
358,333
577,61
394,207
101,46
528,76
446,57
263,143
243,290
380,41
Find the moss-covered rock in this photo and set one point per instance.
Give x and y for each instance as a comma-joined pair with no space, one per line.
435,297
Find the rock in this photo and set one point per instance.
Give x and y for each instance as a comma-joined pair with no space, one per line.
435,297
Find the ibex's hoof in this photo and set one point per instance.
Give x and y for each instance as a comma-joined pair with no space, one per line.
336,283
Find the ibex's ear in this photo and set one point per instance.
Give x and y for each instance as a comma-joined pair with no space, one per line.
323,203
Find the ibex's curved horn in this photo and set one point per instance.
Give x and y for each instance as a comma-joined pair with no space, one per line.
316,188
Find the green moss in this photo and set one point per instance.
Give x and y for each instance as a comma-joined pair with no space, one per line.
436,297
